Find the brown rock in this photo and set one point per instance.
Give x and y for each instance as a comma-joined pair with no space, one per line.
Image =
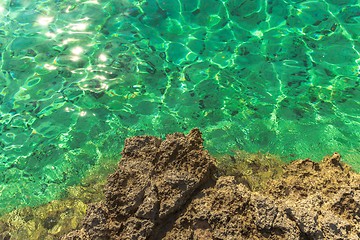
154,180
165,190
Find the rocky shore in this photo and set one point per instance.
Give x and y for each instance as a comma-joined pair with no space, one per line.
173,189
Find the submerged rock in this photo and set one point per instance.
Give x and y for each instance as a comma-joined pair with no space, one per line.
168,190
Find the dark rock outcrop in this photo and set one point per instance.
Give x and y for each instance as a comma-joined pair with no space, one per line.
310,201
154,181
167,190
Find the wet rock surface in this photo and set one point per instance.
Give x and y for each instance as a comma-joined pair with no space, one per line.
170,189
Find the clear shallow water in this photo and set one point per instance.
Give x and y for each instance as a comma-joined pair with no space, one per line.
78,77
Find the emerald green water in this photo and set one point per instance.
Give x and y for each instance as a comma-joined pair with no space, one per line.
78,77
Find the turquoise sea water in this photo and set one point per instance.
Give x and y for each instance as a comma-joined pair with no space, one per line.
78,77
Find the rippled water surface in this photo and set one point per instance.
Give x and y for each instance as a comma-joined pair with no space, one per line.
78,77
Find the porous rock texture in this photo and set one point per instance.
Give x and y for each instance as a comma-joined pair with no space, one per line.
170,190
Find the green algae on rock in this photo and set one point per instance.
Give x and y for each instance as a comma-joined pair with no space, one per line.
52,220
253,170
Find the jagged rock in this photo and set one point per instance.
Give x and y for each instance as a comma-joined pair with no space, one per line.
155,179
167,190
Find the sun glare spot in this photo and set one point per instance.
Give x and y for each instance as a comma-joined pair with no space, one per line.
44,21
100,77
77,50
258,33
68,40
104,86
75,58
102,57
50,35
78,26
92,1
49,67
